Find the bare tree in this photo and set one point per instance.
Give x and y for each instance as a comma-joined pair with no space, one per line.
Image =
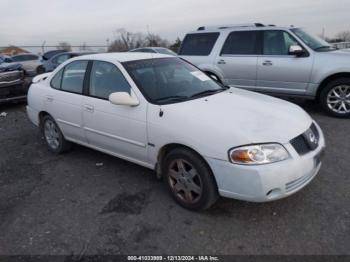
176,46
343,36
156,40
125,41
64,46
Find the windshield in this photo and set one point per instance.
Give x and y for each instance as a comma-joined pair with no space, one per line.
1,60
170,80
165,51
313,42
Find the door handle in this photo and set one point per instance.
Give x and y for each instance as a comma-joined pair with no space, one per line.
267,63
221,62
89,108
49,98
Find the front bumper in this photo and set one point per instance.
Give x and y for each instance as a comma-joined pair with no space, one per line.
263,183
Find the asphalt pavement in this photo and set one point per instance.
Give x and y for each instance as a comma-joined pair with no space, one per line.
85,202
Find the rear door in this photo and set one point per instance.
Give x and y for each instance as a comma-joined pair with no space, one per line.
64,99
238,59
197,48
278,71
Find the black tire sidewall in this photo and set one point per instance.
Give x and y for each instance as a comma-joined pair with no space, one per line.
209,188
324,93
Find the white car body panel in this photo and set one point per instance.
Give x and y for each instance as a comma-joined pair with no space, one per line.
211,126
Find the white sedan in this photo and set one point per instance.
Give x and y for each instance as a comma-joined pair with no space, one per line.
204,139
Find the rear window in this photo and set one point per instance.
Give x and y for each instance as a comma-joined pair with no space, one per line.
241,43
198,44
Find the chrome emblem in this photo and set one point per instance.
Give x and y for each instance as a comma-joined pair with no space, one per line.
312,138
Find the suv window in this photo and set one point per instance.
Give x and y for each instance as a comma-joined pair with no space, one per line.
61,58
277,42
73,77
106,79
241,43
198,44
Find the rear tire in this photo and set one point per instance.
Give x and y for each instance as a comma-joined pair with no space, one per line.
335,98
189,179
40,70
53,136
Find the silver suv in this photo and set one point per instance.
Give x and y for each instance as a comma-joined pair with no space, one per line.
281,61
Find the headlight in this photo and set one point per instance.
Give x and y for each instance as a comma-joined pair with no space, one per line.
258,154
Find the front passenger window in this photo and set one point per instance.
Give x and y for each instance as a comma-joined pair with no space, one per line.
73,77
278,42
106,79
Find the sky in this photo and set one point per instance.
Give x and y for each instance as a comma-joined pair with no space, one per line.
31,22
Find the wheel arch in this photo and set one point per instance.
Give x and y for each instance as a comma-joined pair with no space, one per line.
329,79
166,149
42,114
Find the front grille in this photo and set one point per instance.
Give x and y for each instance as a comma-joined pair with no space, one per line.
300,143
11,76
315,130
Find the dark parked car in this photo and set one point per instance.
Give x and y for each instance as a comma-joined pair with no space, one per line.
49,54
58,59
11,81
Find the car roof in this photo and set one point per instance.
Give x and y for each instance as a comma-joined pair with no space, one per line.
122,56
22,54
239,27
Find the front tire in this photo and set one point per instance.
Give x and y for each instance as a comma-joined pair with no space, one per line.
189,180
335,98
53,136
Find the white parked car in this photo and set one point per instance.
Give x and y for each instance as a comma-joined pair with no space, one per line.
161,112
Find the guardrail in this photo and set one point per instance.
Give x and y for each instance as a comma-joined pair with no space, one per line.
342,45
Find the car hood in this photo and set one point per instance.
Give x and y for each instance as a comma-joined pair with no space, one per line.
340,55
6,67
235,117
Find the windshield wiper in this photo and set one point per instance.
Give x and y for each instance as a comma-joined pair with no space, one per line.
208,92
172,99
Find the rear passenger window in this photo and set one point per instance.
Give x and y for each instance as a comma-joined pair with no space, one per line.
198,44
241,43
73,77
106,79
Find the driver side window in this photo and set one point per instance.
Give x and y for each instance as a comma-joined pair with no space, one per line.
278,42
106,79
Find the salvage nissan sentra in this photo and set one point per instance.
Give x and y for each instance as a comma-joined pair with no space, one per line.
204,139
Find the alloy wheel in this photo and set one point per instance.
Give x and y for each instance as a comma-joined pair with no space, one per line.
338,99
51,134
185,181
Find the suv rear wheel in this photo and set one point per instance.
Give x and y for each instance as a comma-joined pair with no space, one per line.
335,98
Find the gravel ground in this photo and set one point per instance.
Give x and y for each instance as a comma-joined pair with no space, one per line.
70,206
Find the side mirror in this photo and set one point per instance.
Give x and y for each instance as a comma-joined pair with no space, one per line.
296,50
123,99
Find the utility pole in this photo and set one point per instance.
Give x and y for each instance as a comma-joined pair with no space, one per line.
43,47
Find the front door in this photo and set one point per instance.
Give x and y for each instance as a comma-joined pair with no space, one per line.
237,60
117,129
278,71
